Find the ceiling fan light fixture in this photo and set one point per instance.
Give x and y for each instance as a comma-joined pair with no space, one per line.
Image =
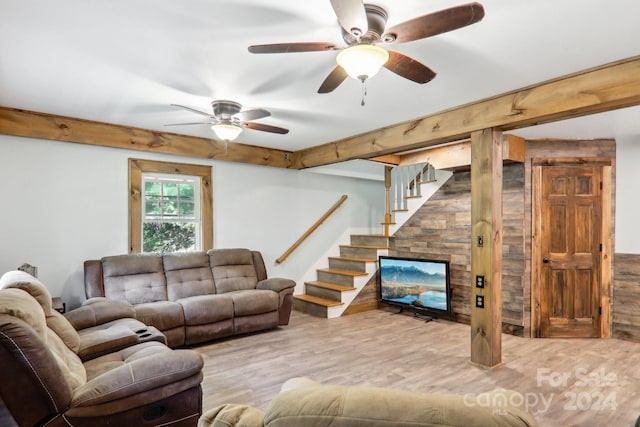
362,61
226,131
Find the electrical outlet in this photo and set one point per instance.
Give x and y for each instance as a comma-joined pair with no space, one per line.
480,301
479,281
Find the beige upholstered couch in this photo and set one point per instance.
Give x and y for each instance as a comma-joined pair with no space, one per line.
305,403
194,297
45,382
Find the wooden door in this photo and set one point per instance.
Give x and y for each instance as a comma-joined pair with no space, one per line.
571,223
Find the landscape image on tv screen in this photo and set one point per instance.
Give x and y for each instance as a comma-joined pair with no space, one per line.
413,282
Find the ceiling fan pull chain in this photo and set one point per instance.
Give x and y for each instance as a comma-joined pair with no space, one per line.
364,91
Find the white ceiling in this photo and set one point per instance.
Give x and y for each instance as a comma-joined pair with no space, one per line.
125,61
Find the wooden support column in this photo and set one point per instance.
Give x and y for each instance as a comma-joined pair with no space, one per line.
486,248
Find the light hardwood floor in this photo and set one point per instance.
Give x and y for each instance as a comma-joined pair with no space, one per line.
586,382
583,379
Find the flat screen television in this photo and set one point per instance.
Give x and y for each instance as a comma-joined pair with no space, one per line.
416,284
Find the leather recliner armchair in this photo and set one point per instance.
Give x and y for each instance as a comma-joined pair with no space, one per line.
44,381
103,326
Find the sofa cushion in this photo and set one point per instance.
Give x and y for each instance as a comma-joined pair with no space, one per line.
98,310
134,370
136,278
188,274
28,283
355,406
68,361
257,301
35,288
232,415
109,336
164,315
203,309
64,329
18,303
232,269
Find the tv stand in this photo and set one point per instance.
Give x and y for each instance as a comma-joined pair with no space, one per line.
417,315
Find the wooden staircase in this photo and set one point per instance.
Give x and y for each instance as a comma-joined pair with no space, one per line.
337,285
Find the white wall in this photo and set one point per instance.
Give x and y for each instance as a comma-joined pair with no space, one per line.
65,203
628,195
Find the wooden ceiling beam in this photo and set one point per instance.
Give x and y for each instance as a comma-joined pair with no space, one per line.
457,155
608,87
59,128
389,159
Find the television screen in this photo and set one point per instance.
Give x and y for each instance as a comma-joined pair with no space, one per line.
420,284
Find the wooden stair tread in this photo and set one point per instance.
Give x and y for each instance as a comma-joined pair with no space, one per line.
317,300
354,259
413,197
365,247
332,286
387,223
343,272
400,210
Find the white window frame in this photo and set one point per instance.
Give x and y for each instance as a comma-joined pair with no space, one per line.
163,178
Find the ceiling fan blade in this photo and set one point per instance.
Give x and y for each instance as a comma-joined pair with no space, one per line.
409,68
333,80
194,110
190,123
351,15
265,128
292,47
255,114
436,23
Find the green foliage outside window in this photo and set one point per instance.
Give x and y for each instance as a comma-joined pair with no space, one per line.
168,236
167,200
169,213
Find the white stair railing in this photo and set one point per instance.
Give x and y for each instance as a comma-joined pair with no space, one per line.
403,183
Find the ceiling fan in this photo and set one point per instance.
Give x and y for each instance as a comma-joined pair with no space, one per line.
228,119
363,27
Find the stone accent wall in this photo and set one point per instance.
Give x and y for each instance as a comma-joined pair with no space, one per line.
367,299
626,297
441,229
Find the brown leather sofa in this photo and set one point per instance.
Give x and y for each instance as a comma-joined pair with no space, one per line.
193,297
44,381
305,403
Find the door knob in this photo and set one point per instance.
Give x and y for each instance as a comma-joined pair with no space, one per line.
546,260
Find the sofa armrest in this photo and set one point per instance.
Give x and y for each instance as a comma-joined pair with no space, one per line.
277,284
99,310
101,341
138,374
284,288
232,415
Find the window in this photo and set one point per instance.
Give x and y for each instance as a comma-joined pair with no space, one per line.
170,206
171,216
